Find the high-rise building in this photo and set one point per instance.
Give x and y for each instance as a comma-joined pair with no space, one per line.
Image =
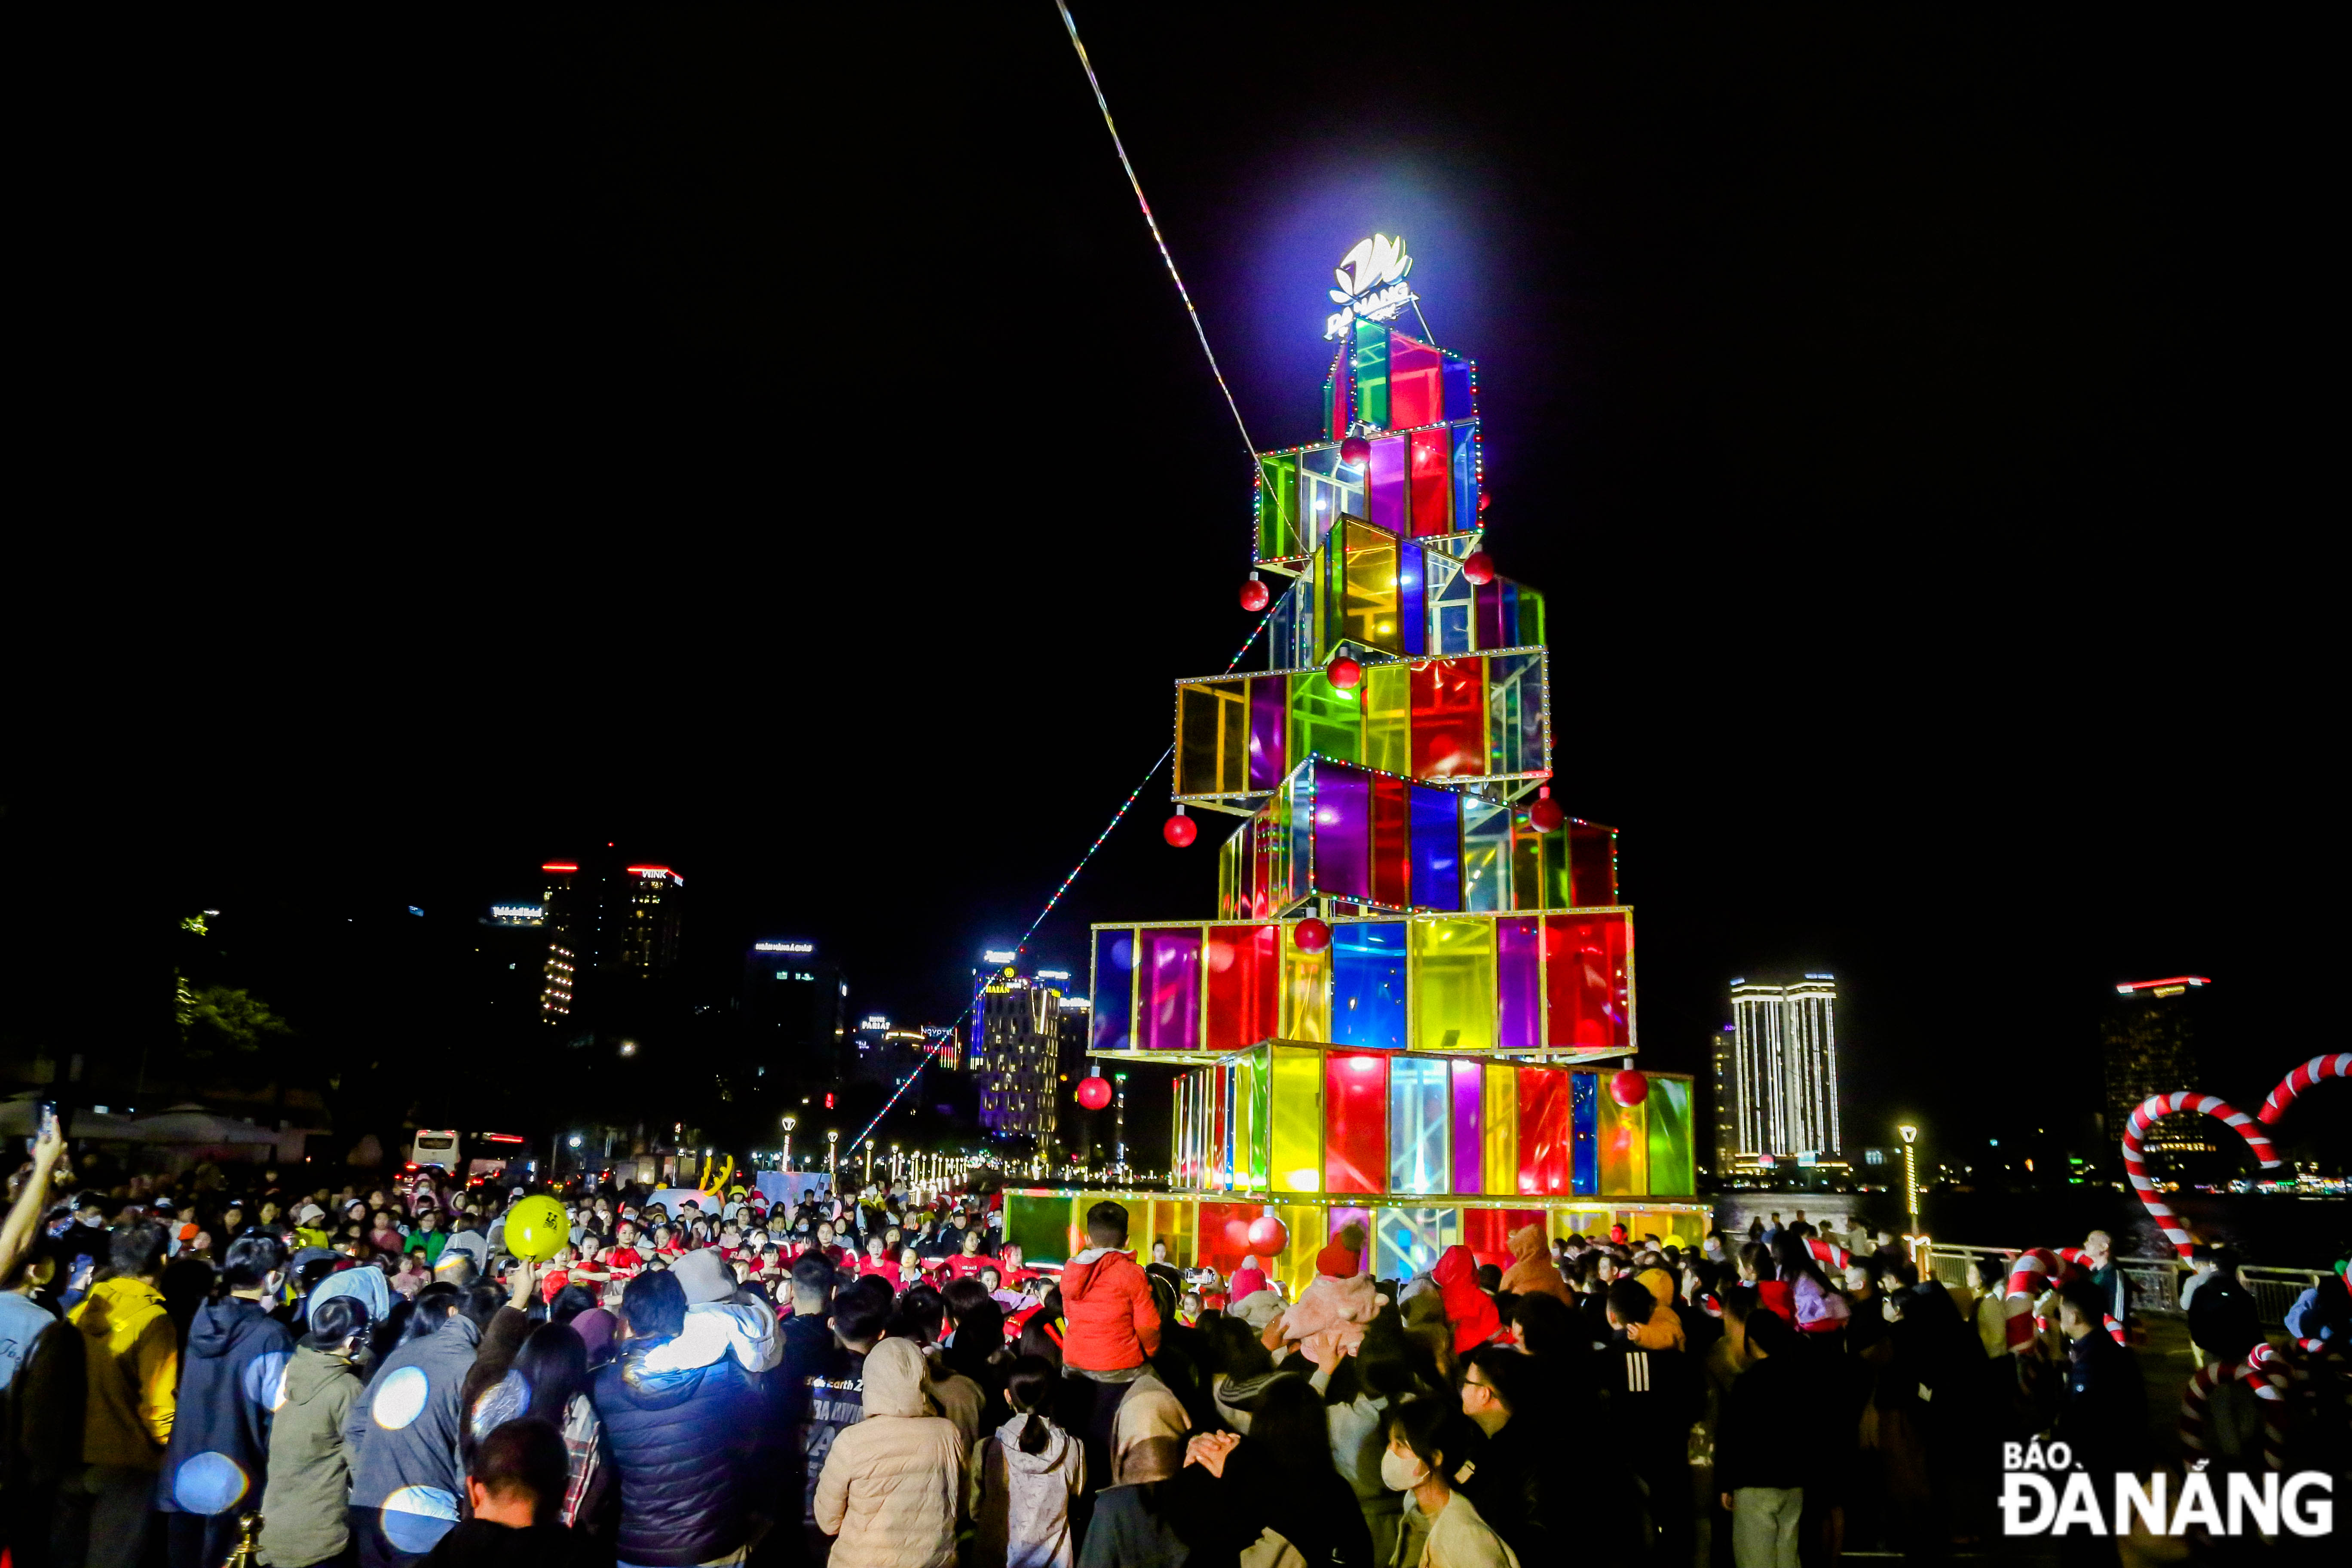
1724,1052
1017,1040
1783,1098
606,921
2150,1034
796,1007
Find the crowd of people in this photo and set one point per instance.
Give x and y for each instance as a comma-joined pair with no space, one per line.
877,1379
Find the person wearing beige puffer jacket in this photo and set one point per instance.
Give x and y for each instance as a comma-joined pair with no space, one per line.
893,1484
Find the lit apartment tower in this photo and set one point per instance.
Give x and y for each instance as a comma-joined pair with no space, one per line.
1017,1038
1724,1052
796,1005
1784,1064
607,917
2150,1034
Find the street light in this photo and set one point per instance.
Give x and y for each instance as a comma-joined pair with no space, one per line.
832,1142
785,1162
1911,1182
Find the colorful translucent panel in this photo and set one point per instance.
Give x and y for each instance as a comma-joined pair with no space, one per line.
1387,492
1306,991
1295,1092
1465,464
1296,827
1256,1165
1171,1221
1670,1170
1469,1124
1355,1133
1212,737
1388,718
1406,1242
1325,720
1418,1093
1169,990
1277,499
1519,984
1449,720
1585,1170
1429,481
1362,602
1452,984
1514,693
1368,985
1592,855
1391,859
1329,490
1499,1128
1434,848
1294,1266
1343,833
1624,1139
1543,1131
1459,389
1113,990
1225,1235
1244,979
1486,855
1487,1232
1416,393
1588,982
1368,367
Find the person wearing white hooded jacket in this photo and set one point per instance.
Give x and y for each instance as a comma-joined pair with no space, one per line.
718,1321
1027,1473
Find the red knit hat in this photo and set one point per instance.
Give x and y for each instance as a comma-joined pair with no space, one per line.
1342,1258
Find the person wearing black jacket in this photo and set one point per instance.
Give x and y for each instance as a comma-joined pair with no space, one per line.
2104,1418
1514,1487
231,1379
2221,1319
1650,1398
681,1439
1766,1447
513,1489
1281,1478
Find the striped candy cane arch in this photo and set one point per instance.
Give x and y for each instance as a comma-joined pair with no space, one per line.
2136,1165
2300,1079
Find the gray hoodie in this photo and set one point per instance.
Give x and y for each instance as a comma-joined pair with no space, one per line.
1024,1499
403,1434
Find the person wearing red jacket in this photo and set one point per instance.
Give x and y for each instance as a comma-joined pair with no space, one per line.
1114,1323
968,1263
878,1260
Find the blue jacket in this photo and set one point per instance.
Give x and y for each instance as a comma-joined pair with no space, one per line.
2322,1313
231,1379
402,1438
681,1443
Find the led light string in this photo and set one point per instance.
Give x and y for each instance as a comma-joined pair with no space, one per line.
1022,946
1153,224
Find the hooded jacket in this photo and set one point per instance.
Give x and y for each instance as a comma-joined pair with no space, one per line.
231,1380
892,1484
1532,1271
305,1509
1024,1499
133,1360
1469,1311
1663,1331
1114,1323
681,1442
401,1435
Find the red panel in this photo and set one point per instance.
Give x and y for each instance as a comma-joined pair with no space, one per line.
1487,1232
1356,1122
1430,476
1592,863
1416,392
1588,961
1220,1250
1449,713
1244,981
1391,865
1543,1131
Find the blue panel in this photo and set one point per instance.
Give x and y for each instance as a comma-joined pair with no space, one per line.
1584,1117
1465,469
1114,989
1406,1242
1368,985
1435,847
1457,389
1412,614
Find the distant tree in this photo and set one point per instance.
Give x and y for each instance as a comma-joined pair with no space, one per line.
221,1022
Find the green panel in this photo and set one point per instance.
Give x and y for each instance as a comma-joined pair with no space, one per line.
1324,720
1671,1172
1527,864
1234,876
1297,1120
1452,984
1623,1133
1277,508
1388,718
1039,1226
1371,370
1532,618
1260,1116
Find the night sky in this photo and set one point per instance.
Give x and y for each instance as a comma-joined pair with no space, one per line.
773,445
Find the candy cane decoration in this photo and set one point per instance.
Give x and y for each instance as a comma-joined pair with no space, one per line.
1824,1252
2266,1374
2194,1398
2028,1277
2300,1079
2135,1166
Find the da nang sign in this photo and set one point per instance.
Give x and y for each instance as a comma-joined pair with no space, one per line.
1372,284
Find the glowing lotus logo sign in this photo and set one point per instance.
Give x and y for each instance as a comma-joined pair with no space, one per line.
1372,285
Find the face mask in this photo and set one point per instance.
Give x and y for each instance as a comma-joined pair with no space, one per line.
1402,1472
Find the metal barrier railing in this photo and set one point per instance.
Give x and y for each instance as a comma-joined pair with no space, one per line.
2155,1281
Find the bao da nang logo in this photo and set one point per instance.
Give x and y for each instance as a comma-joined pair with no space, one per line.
1371,283
2042,1493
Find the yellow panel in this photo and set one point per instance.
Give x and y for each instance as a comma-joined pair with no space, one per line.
1452,984
1173,1221
1502,1127
1591,1224
1306,991
1388,718
1368,614
1295,1265
1624,1135
1297,1114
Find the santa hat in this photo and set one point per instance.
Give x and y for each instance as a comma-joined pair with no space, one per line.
1342,1258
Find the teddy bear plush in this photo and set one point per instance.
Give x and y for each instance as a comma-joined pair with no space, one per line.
1327,1319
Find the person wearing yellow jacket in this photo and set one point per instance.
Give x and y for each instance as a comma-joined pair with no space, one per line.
132,1358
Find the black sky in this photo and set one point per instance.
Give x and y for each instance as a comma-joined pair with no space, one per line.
772,444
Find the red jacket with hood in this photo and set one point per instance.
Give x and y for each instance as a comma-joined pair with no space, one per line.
1106,1301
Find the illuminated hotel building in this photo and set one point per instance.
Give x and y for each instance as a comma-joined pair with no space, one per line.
1017,1040
1783,1060
796,1005
2151,1035
606,917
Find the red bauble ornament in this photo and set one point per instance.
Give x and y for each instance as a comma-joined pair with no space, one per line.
1237,1234
1479,567
1482,499
1355,451
1180,830
1545,815
1255,596
1310,935
1267,1234
1629,1088
1344,673
1094,1093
